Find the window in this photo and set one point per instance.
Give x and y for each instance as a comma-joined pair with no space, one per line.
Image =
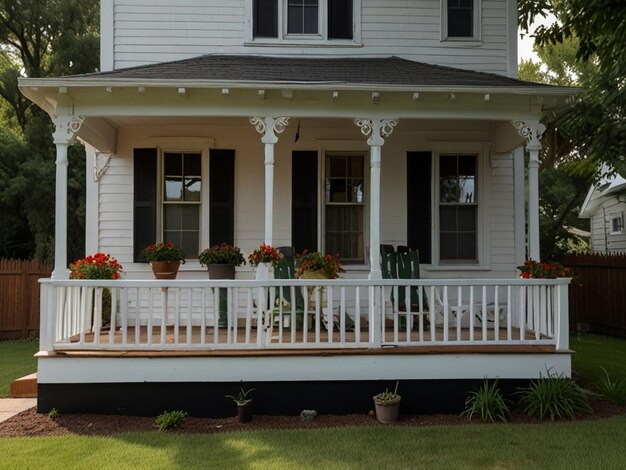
461,19
617,223
303,19
458,208
181,198
344,206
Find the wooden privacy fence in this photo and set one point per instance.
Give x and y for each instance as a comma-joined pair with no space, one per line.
597,297
19,297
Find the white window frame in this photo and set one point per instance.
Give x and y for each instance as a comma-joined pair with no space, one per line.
204,194
320,39
477,23
481,150
619,217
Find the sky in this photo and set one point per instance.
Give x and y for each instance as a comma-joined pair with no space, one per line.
525,46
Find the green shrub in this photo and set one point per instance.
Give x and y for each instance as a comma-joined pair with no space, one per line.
555,396
613,390
487,403
53,413
170,420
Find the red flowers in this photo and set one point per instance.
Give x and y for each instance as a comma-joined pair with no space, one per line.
534,270
264,254
328,265
98,266
163,252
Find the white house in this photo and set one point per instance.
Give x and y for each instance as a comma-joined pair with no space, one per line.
604,206
335,125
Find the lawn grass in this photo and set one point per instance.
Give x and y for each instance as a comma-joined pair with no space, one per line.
16,360
594,352
590,444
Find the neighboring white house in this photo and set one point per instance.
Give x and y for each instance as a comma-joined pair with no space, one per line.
605,206
332,125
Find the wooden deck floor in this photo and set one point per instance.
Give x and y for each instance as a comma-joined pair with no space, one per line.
142,343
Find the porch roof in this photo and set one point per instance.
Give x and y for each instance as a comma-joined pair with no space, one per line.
345,72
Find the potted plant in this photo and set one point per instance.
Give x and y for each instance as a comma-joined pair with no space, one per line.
264,258
387,406
165,259
221,260
98,266
532,269
315,265
244,409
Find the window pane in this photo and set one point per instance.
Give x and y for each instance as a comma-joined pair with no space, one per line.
338,190
447,246
336,166
447,219
448,166
172,217
193,164
467,246
173,164
466,217
467,190
265,13
310,18
460,18
173,189
190,244
302,17
344,232
190,215
193,186
174,237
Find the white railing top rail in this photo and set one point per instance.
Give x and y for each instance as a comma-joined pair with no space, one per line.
204,283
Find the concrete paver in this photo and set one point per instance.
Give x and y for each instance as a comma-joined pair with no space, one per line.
9,407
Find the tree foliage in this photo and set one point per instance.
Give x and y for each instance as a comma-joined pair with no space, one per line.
40,38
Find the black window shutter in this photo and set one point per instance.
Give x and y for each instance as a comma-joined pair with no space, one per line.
222,196
145,200
265,18
304,201
419,210
340,19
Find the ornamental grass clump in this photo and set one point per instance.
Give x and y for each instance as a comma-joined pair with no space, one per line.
612,389
487,403
328,265
265,254
170,420
554,396
222,254
163,251
98,266
532,269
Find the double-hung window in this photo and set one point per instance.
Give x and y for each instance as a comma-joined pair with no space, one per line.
181,200
303,19
458,208
461,19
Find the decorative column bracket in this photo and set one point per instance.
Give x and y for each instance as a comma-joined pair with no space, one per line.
532,131
101,164
66,128
376,129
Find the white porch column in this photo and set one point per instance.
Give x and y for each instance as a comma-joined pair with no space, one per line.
532,131
376,129
66,127
269,127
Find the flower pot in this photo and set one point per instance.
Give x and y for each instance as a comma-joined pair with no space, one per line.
264,271
221,271
244,413
165,269
387,413
313,275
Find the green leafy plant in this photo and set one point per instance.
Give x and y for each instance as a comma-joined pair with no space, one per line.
612,389
265,254
170,420
556,396
330,266
487,403
53,413
532,269
221,254
387,397
163,252
98,266
242,397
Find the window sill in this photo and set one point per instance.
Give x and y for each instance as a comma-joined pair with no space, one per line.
461,42
301,43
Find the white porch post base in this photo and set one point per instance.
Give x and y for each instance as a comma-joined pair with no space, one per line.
376,129
269,127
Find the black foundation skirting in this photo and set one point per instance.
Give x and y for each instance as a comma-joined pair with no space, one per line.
207,399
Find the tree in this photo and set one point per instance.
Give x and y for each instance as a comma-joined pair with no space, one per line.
40,38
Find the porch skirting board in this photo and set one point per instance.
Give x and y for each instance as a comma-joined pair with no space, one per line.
207,399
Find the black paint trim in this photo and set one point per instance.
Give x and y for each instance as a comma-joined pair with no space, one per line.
222,196
419,204
206,399
145,200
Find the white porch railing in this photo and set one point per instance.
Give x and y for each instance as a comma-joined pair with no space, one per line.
291,314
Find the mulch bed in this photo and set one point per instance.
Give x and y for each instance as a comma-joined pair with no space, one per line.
31,423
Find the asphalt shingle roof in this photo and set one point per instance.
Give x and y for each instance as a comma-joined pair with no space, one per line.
391,71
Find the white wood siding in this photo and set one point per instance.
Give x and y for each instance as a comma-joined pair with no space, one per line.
150,31
602,240
115,188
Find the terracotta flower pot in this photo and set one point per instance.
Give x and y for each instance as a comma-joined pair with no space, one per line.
165,269
387,413
221,271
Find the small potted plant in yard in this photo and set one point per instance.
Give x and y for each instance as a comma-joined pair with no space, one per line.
532,269
315,265
98,266
221,260
387,406
244,407
264,258
165,259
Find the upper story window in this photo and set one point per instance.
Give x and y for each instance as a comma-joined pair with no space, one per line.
617,223
460,19
303,19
